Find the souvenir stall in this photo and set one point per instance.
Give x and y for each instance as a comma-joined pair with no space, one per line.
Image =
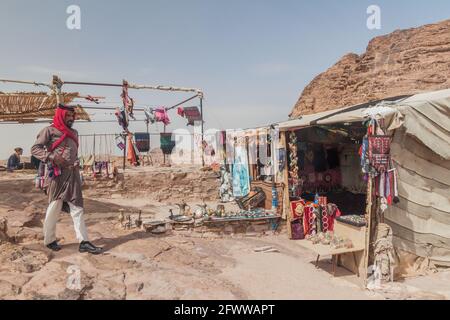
247,178
338,174
327,193
249,157
263,145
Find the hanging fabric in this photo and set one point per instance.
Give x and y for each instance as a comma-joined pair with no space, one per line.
92,99
162,116
167,144
241,174
379,149
132,155
149,115
142,141
121,118
120,142
192,114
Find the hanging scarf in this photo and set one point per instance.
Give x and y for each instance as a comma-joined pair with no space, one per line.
162,116
132,154
58,123
180,111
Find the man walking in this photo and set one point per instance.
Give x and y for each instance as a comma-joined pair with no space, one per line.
57,145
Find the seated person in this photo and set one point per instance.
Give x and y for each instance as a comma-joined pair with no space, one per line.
14,160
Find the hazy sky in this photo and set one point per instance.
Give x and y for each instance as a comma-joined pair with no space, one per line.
251,58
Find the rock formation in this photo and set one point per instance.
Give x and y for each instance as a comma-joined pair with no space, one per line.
401,63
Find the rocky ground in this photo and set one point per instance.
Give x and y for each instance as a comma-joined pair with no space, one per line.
174,265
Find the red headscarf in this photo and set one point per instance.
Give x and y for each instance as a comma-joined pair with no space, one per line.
58,123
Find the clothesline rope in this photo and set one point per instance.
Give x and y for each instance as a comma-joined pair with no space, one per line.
35,83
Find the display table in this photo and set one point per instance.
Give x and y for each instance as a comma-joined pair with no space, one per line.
241,219
237,225
356,234
273,220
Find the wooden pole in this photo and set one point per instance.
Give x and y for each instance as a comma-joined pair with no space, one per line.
56,88
94,148
369,210
203,136
125,99
164,154
125,136
135,86
50,86
286,202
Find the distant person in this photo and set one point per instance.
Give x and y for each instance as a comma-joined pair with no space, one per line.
57,145
14,160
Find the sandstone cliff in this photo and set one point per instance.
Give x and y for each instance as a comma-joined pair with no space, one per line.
403,62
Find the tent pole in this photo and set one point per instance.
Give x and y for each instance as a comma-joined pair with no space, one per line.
203,138
164,155
56,88
94,149
124,150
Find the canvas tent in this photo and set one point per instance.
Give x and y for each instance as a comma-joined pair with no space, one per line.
421,152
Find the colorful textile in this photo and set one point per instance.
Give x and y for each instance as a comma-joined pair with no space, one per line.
379,149
180,111
120,142
132,154
142,141
386,186
241,174
297,208
333,212
167,144
192,114
298,232
162,116
309,220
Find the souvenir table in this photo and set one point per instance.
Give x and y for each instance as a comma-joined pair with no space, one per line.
348,256
247,217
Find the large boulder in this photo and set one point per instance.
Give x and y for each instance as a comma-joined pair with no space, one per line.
401,63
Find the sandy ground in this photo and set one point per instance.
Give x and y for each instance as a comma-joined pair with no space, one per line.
175,265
